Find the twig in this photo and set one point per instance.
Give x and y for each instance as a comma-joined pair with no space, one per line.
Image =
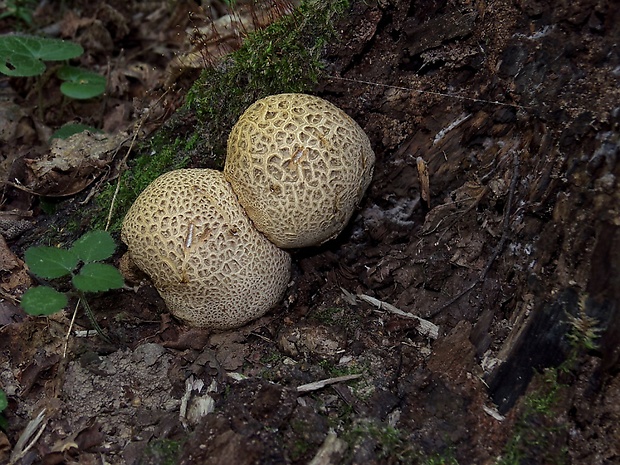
476,201
500,244
30,431
426,327
325,382
20,187
118,182
492,411
7,296
64,352
474,204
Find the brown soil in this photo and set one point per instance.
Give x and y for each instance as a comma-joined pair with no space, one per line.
514,106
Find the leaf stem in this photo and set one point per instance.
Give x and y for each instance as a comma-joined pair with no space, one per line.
91,317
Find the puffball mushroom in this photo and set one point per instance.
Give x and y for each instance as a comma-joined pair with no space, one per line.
213,269
299,166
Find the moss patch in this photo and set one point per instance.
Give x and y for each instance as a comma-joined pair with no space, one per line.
284,57
540,433
162,452
391,445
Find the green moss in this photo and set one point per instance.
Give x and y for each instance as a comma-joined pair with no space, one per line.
272,358
446,458
162,452
334,370
284,57
543,400
329,316
539,435
585,329
299,449
390,441
390,444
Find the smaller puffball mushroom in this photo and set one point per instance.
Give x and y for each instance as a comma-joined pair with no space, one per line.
299,166
213,269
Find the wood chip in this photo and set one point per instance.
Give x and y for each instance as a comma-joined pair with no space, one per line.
331,451
425,185
425,327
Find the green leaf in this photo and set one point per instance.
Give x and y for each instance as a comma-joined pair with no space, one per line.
24,55
70,129
3,400
50,262
94,246
3,405
43,300
19,9
81,83
98,277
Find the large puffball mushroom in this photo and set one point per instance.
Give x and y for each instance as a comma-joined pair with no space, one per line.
299,166
213,269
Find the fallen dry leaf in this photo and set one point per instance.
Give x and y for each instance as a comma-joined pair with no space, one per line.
224,35
73,164
14,279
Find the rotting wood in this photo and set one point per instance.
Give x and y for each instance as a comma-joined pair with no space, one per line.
500,245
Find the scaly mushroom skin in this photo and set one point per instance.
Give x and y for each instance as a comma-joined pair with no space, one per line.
299,166
188,232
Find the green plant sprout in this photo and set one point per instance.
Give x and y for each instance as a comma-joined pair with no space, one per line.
20,9
3,405
24,56
69,129
81,263
80,83
585,330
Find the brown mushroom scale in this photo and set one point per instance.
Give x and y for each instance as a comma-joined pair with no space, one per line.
299,166
213,269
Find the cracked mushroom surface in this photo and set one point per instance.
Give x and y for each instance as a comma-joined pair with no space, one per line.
188,232
299,166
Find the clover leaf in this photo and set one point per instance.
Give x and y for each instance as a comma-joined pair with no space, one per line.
80,262
43,300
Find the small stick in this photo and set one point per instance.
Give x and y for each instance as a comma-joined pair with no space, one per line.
64,352
325,382
29,432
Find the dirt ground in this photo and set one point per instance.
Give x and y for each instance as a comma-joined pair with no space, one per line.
514,261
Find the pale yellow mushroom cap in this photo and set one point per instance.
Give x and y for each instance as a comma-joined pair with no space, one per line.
213,269
299,166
